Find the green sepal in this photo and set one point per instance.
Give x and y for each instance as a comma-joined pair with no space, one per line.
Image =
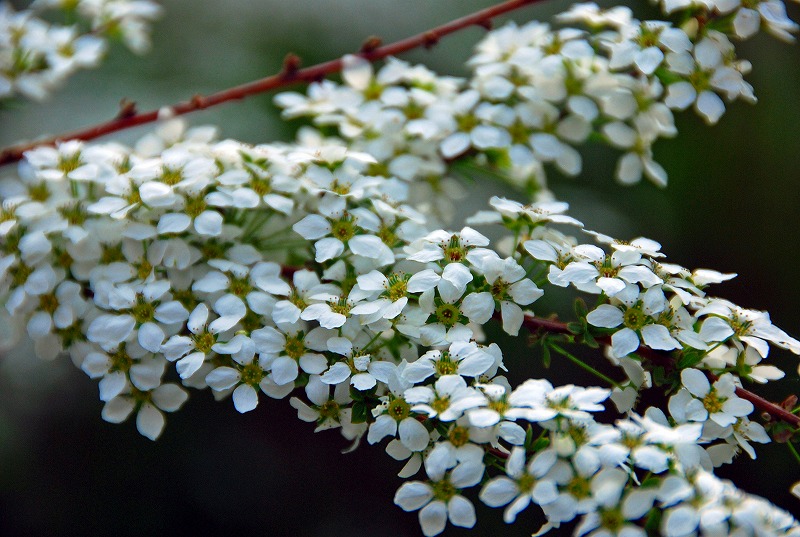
576,327
546,355
652,524
359,414
580,308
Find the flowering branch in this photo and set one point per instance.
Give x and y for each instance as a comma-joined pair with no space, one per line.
288,76
536,324
175,258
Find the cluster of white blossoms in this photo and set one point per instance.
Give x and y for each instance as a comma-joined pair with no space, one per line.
537,92
289,270
317,271
36,56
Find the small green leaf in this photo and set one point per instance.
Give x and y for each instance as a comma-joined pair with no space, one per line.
359,414
576,327
579,306
546,358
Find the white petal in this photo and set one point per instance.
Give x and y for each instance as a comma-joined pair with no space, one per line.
433,518
413,434
245,398
284,370
150,421
461,511
208,223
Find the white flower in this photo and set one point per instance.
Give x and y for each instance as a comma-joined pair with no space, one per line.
149,418
639,315
446,401
700,400
439,498
523,484
362,371
461,358
246,377
335,228
395,417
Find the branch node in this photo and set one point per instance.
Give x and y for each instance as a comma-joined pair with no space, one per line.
198,102
127,108
291,63
430,39
370,44
486,24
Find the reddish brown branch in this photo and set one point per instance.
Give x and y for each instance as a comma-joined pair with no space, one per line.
536,324
288,76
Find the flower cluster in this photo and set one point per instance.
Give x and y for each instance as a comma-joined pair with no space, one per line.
264,270
37,56
321,271
537,92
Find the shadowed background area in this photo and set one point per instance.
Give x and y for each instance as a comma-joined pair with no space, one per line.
732,205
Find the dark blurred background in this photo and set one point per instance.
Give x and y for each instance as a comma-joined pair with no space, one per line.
732,204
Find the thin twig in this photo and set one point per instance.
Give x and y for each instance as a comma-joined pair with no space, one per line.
288,76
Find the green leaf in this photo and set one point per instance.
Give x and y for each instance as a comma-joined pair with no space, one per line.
359,414
576,327
590,341
546,357
579,306
652,524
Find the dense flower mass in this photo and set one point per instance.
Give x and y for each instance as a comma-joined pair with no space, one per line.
37,56
328,270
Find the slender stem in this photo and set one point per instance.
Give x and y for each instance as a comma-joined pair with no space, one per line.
288,76
583,365
794,451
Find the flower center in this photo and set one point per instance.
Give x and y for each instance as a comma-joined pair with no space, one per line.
240,286
69,163
143,311
171,176
329,410
294,347
74,214
445,365
343,229
48,303
341,306
297,299
454,252
634,318
579,487
39,192
144,269
261,186
440,404
501,406
459,436
252,374
111,254
612,519
204,341
500,288
120,359
448,314
526,482
195,206
444,490
712,402
397,286
467,122
399,409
